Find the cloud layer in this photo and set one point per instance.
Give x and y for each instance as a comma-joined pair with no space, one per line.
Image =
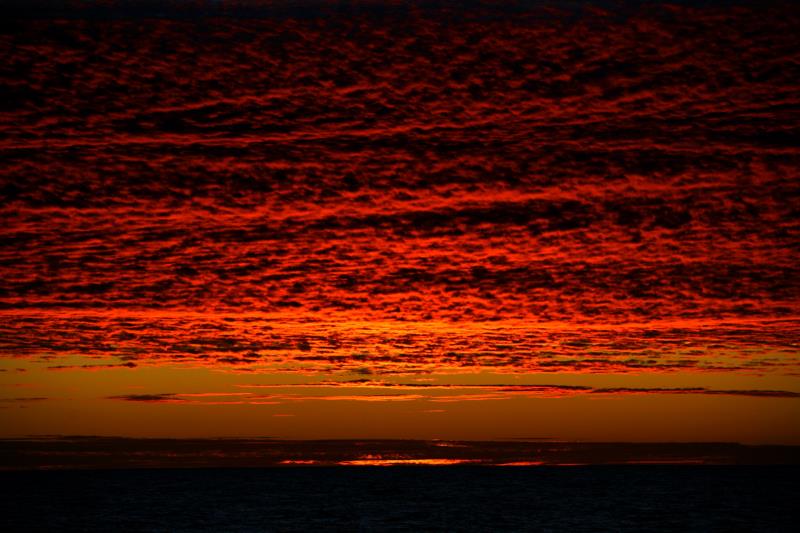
554,190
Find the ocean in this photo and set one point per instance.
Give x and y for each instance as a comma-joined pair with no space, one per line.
408,498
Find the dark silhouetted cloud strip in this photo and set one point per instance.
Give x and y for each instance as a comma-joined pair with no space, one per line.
110,452
391,392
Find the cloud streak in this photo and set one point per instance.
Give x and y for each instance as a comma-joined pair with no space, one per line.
384,392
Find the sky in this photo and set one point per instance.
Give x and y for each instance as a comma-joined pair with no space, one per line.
570,221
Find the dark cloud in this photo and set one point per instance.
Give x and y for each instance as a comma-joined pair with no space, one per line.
24,399
156,398
129,364
381,391
700,390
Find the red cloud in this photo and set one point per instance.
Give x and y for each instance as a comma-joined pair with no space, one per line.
526,194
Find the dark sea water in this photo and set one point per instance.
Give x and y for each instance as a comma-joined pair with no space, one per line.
588,498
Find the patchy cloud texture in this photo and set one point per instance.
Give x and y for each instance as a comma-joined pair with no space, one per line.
407,191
